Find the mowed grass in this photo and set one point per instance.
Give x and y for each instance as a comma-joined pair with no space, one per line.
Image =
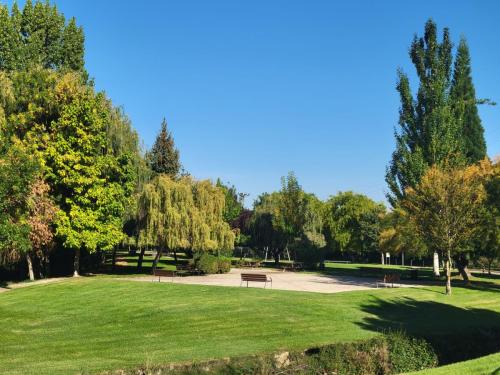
88,325
488,365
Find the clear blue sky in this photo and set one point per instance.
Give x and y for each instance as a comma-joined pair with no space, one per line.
254,89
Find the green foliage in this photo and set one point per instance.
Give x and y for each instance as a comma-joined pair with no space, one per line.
18,170
39,36
210,264
183,214
409,353
223,264
164,157
234,202
442,123
353,223
207,263
287,218
399,235
374,356
446,209
92,184
464,104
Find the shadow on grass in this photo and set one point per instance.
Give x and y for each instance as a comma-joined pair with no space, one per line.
455,333
481,275
130,268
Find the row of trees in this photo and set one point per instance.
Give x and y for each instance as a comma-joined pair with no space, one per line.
73,175
294,221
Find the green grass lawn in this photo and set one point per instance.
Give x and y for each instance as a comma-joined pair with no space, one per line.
100,323
488,365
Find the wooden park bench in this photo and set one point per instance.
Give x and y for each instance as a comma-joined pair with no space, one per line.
163,273
390,280
256,277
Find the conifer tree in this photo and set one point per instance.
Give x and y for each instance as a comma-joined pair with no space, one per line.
464,102
164,157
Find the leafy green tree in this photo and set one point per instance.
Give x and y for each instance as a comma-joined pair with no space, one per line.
398,235
488,240
42,214
266,231
18,170
287,219
92,184
234,202
182,214
428,133
353,223
39,36
464,104
164,157
446,208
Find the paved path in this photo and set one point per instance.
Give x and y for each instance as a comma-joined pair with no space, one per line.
298,281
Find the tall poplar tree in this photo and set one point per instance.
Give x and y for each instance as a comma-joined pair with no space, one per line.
442,122
164,157
464,103
427,132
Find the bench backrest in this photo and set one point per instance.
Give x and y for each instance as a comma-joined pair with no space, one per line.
254,277
165,273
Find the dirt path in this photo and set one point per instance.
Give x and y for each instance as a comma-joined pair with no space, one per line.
298,281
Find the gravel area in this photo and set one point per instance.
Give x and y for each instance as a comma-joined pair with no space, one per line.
298,281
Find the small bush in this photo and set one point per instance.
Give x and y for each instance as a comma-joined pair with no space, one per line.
224,264
207,263
409,353
312,257
210,264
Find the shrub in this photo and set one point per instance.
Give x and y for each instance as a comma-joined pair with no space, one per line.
209,264
224,264
382,355
312,257
409,353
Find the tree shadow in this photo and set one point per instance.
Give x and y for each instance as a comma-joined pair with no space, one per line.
455,333
481,275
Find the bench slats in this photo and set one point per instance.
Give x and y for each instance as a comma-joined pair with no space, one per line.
257,277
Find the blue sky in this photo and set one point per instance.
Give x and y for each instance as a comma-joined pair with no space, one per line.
254,89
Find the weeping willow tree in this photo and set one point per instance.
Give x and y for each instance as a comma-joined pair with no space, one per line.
183,214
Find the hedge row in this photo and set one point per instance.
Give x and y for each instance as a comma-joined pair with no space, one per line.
391,353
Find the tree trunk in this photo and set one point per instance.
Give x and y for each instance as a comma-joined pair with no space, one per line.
276,258
462,264
435,264
403,258
157,258
141,258
448,275
175,256
76,263
30,267
113,261
382,258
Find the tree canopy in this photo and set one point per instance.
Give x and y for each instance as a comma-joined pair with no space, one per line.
441,123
